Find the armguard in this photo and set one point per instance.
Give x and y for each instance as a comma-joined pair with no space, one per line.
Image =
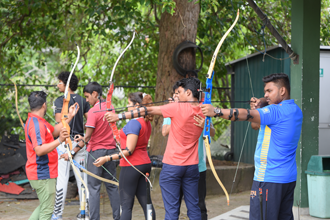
231,114
129,152
248,115
236,113
145,110
139,113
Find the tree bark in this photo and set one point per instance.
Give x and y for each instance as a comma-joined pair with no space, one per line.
173,29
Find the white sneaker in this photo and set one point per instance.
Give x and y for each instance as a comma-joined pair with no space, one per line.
54,217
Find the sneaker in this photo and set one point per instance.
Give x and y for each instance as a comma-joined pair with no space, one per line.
56,217
79,216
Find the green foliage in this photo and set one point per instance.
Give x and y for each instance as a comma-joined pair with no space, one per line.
37,41
325,19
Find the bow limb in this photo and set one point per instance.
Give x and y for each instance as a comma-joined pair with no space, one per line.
208,153
75,169
84,170
208,93
134,167
64,117
215,54
113,124
16,101
100,178
122,53
110,91
86,195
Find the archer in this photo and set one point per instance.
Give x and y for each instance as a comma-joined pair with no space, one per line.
42,162
77,127
180,163
100,142
275,156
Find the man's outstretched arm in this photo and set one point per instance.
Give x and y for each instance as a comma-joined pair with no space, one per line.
142,111
237,114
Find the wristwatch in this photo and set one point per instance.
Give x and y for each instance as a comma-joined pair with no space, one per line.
120,116
217,112
73,153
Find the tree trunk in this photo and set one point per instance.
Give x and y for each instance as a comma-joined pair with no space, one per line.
173,29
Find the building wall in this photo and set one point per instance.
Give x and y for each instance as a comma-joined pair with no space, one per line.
324,113
241,91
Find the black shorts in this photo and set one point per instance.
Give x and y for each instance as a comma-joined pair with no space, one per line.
279,200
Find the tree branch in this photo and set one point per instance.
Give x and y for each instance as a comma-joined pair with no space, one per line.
274,32
21,19
8,39
155,13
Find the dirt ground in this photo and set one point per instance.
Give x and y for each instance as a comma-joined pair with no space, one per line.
216,205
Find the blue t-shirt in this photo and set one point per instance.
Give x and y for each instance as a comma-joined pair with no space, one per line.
201,149
201,154
167,121
275,155
132,127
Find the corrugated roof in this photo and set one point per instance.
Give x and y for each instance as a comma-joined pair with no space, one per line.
268,49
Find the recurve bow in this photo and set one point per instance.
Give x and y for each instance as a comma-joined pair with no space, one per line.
64,116
113,125
207,100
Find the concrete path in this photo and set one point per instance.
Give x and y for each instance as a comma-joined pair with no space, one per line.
239,213
242,212
216,205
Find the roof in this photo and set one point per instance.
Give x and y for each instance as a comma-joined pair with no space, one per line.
322,48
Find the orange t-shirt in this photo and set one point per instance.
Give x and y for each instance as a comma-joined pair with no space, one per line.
182,144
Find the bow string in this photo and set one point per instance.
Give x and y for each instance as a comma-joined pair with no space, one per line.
113,125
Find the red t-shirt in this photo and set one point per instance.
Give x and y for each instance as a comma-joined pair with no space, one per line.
140,154
38,132
102,137
182,144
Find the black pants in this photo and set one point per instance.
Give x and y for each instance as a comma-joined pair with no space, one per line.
94,185
279,200
201,194
131,184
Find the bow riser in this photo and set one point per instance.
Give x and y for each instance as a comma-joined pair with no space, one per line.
113,125
64,117
109,95
207,100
